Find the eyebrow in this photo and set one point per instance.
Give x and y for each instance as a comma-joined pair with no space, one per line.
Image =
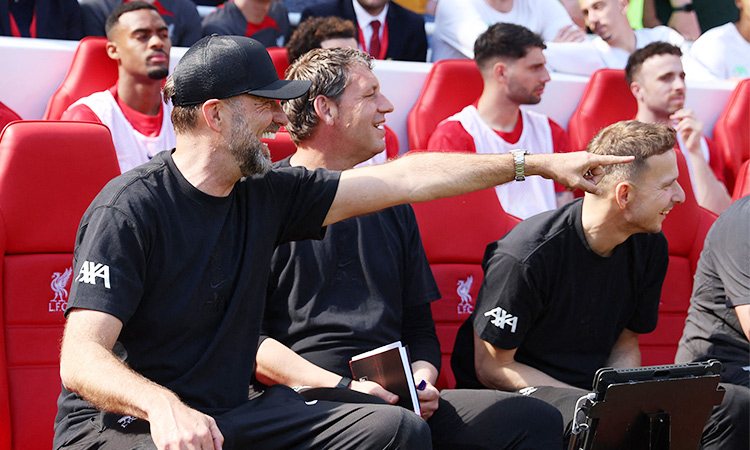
146,29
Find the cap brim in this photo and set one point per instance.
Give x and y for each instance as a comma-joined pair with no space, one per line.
283,89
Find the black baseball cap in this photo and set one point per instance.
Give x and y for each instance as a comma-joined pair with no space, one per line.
225,66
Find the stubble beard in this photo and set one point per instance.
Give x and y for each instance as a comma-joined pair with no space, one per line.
247,149
158,73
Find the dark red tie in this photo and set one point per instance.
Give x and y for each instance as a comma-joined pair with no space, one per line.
375,39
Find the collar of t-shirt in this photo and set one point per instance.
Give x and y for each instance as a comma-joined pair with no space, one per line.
143,123
511,137
363,20
267,22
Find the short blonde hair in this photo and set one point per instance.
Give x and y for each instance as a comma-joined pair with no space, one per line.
631,138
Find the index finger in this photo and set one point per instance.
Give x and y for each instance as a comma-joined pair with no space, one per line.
608,160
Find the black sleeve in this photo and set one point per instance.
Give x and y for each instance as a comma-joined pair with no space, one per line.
509,300
418,332
305,197
109,264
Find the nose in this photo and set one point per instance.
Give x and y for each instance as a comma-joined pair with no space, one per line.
279,117
545,75
590,19
157,41
679,195
679,83
385,105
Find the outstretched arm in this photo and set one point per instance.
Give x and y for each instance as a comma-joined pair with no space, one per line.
89,368
419,177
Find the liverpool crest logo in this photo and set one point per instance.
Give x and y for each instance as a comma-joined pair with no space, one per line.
464,286
58,286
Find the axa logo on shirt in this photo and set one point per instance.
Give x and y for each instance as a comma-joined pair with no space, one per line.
91,271
501,318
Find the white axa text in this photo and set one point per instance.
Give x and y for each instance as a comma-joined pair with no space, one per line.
90,271
502,318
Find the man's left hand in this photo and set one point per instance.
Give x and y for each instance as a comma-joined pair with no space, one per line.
428,399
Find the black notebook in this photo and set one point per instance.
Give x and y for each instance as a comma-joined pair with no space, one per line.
389,366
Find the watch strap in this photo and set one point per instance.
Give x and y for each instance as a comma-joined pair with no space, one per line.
519,164
344,383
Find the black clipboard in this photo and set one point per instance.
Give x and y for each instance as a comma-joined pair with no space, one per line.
649,408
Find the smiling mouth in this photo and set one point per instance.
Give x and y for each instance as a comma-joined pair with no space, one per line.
380,125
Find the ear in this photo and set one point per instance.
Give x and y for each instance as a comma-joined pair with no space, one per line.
624,4
326,109
111,49
623,194
636,89
213,112
499,70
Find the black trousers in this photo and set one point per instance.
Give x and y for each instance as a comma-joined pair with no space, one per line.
468,419
281,419
728,426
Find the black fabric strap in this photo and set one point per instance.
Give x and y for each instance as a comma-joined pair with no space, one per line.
344,383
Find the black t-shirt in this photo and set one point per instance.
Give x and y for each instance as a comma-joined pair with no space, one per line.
367,283
563,306
722,282
186,273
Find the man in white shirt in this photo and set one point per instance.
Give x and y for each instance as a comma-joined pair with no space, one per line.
133,109
614,42
511,62
458,23
657,80
723,52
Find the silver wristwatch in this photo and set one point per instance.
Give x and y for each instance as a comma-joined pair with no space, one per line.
519,163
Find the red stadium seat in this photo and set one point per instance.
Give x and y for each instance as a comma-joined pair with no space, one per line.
91,70
7,115
742,183
49,173
732,131
391,143
280,60
685,229
448,88
455,232
605,100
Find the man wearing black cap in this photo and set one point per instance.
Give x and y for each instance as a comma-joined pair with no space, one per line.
172,259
